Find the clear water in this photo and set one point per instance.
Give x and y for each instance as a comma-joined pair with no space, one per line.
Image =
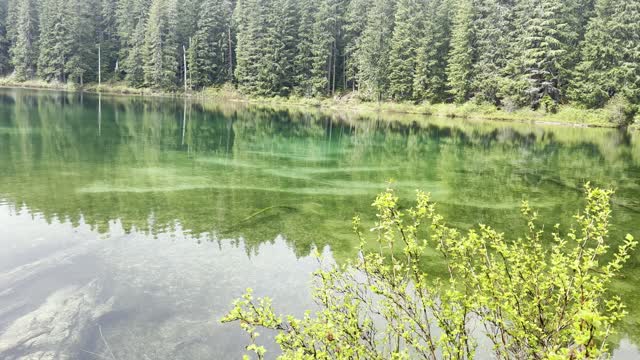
128,225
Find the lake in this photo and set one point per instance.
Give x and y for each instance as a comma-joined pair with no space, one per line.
129,225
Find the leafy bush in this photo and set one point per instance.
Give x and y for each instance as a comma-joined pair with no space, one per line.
533,299
620,111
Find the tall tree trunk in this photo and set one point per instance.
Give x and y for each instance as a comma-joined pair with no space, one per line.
230,54
184,66
335,58
99,66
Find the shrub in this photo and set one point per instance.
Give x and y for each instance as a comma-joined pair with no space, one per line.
533,300
620,111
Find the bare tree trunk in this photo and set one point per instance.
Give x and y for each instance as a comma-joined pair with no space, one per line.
99,66
335,58
184,59
344,72
190,71
230,55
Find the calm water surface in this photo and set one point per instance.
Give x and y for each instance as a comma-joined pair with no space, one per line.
127,226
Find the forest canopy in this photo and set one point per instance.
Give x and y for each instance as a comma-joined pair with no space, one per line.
510,53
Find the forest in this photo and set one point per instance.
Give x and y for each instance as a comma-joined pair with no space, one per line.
509,53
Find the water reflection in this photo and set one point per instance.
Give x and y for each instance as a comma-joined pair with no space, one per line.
64,284
142,193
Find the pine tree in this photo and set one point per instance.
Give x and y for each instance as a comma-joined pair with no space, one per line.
546,44
108,38
5,61
493,29
323,47
355,22
610,55
461,55
189,13
305,40
55,41
281,44
160,46
430,80
24,52
82,21
131,18
133,63
373,51
249,24
187,17
407,33
209,49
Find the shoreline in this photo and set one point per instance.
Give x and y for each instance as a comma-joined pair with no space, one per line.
566,116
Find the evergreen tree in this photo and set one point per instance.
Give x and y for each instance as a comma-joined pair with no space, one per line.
355,22
108,38
160,46
405,44
5,61
187,16
461,54
278,62
249,23
373,51
209,49
430,80
323,47
82,21
24,50
503,52
545,45
131,18
55,41
493,29
133,63
610,55
305,40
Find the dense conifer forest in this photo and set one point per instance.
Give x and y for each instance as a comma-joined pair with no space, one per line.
511,53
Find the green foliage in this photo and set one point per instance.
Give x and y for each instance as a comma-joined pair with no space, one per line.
131,20
430,80
55,42
160,53
108,39
209,52
5,60
374,49
249,21
508,53
620,111
134,61
493,28
24,50
323,47
66,47
610,55
355,23
404,48
461,53
532,298
304,49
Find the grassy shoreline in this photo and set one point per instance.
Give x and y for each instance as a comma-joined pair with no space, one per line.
566,115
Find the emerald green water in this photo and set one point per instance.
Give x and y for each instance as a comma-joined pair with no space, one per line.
142,219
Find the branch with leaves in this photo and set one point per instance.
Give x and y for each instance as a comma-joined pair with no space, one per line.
535,297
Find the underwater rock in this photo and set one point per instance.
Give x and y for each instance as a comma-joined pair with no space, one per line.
55,329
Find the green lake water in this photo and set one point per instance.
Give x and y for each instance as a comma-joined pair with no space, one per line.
128,225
